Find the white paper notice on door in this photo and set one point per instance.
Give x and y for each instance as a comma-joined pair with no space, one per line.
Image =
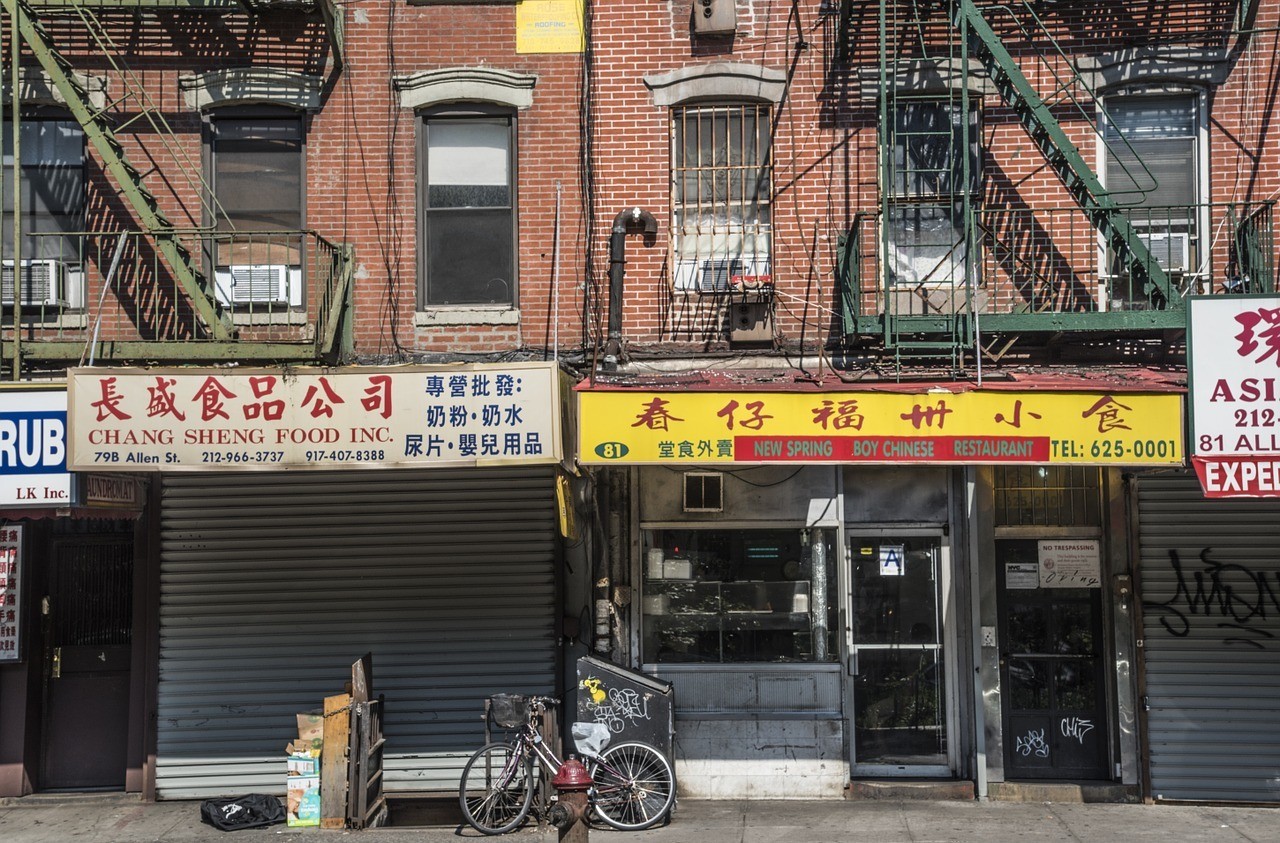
1021,575
1070,563
891,560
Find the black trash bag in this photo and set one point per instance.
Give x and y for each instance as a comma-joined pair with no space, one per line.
249,811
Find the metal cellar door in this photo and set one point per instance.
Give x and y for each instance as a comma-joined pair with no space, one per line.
89,616
1210,588
272,584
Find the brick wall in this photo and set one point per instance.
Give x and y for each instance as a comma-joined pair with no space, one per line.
362,167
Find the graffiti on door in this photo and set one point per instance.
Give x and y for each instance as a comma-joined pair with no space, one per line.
1244,598
1076,727
1032,742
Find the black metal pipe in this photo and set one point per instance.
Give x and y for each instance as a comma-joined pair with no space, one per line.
617,268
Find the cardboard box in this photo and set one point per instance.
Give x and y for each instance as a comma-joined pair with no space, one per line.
311,729
302,805
303,764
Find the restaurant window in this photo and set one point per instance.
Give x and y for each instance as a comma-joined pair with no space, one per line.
754,595
467,201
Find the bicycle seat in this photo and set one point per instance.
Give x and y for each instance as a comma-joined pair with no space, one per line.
590,738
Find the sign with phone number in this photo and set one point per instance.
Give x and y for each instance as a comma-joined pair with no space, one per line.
1068,428
411,416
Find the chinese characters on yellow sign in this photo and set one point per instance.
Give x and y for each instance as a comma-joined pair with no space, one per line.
875,427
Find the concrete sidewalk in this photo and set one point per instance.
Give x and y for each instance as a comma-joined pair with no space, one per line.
122,819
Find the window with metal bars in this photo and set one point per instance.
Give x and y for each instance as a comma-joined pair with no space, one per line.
1048,496
721,189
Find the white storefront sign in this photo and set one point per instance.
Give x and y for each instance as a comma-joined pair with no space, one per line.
1233,360
33,448
214,419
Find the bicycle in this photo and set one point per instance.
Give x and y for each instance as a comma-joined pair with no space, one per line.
633,783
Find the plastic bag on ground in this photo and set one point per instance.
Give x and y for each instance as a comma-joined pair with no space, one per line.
252,810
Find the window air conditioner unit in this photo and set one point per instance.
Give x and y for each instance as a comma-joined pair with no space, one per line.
1172,250
43,283
263,283
722,275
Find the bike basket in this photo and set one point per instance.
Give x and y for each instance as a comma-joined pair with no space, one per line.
509,711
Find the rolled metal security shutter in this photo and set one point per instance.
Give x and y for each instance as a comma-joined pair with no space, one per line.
1210,586
273,584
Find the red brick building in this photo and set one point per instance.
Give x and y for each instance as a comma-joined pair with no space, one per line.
814,233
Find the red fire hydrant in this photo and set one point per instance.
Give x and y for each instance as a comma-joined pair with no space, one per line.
569,814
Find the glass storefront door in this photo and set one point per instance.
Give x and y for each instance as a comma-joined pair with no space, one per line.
897,655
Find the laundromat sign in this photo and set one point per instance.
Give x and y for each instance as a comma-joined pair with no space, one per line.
1069,428
216,419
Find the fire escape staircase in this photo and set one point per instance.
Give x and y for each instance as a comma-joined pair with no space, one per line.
98,131
219,341
1047,133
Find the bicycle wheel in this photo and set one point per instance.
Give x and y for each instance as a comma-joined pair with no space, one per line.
496,788
635,786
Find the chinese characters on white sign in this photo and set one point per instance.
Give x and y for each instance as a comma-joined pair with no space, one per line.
160,420
10,594
1234,366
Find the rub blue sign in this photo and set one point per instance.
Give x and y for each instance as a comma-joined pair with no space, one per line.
33,448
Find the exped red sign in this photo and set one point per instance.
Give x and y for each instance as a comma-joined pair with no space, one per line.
1233,360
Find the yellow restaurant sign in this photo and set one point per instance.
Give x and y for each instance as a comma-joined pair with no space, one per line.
1062,428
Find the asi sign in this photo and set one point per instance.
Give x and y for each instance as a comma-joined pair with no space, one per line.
33,448
1233,359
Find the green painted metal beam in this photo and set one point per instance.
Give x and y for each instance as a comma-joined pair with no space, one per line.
1034,323
335,24
177,5
1083,184
98,131
163,352
338,304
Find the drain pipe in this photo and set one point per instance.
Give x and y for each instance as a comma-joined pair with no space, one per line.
617,264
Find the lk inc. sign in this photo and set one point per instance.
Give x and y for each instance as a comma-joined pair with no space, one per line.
33,448
214,419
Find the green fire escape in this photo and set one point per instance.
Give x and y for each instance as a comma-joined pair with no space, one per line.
954,310
215,335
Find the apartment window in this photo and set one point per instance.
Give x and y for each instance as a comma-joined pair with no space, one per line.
1152,168
53,188
467,201
927,191
721,197
257,165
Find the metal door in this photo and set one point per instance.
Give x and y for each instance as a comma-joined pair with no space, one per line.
1051,670
89,622
900,707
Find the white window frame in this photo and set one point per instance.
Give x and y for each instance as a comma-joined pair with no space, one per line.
1197,278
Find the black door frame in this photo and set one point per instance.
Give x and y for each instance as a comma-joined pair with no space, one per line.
1058,725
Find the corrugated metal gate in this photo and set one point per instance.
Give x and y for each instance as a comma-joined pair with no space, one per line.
1210,586
273,584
